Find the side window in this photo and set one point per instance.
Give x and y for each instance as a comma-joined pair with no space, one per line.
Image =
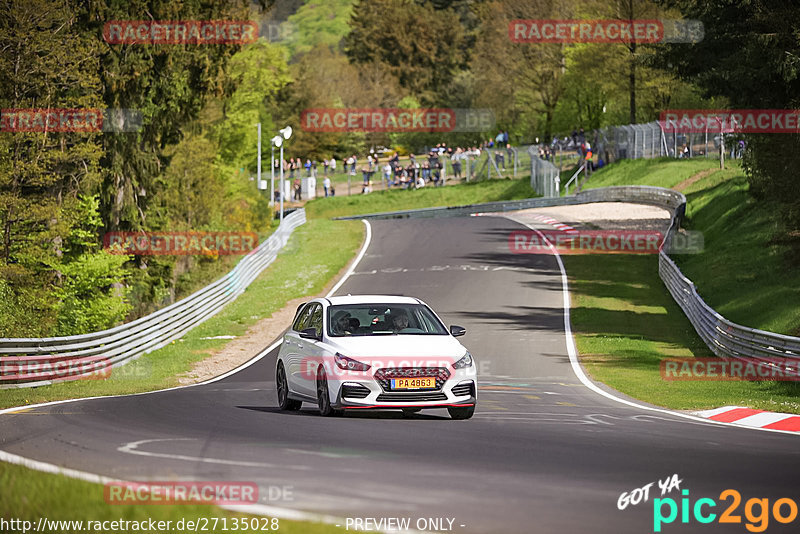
302,318
316,319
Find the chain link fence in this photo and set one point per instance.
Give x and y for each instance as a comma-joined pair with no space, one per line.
655,140
545,176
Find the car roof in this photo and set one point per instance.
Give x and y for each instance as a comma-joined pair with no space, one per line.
373,299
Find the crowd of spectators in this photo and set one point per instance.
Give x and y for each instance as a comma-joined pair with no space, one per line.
415,172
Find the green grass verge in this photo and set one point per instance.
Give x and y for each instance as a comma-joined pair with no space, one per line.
625,321
315,253
742,272
427,197
662,172
29,495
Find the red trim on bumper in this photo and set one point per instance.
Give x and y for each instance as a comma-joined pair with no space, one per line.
406,406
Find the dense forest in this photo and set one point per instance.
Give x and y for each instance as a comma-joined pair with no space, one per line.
189,165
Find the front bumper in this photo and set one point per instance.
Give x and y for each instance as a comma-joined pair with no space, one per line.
459,391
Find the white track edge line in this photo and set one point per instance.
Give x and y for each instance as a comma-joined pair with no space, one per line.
586,381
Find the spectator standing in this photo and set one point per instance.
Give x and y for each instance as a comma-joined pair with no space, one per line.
499,159
387,175
455,159
436,169
297,189
326,185
411,171
433,159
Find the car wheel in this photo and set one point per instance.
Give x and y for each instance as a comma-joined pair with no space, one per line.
323,397
461,413
284,402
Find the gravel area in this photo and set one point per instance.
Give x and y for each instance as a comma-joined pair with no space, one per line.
602,216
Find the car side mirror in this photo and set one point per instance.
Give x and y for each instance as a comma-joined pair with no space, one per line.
456,331
310,333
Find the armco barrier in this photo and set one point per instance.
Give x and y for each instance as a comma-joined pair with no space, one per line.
38,362
725,338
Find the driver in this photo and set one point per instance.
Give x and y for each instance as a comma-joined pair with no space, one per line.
399,320
341,323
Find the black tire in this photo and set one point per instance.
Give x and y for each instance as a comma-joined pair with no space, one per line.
461,413
284,402
323,397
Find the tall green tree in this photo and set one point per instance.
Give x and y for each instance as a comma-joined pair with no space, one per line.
750,54
422,47
46,61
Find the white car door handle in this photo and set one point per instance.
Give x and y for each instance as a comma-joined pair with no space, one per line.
299,345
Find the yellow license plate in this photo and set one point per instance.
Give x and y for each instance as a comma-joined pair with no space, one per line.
423,382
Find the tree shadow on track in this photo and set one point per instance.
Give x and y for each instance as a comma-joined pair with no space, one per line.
395,414
520,318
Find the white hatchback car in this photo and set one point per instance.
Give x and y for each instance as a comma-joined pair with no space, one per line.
374,352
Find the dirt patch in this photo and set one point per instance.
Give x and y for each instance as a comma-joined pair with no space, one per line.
693,179
257,338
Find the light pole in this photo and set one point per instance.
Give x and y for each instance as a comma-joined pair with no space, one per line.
275,141
286,133
258,184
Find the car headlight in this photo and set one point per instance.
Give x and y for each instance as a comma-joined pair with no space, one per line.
349,364
465,361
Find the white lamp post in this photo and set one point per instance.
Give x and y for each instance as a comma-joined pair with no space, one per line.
258,184
275,141
286,133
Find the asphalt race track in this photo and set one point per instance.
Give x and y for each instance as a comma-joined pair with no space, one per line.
543,453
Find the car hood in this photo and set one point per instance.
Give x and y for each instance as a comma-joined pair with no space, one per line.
408,347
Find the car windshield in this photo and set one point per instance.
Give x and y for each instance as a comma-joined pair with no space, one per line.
383,319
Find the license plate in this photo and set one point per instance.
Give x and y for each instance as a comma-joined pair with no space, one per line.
423,382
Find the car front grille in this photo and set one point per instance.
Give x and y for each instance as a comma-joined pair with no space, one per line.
464,388
412,397
384,375
354,391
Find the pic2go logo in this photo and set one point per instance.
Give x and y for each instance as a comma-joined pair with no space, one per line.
757,511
